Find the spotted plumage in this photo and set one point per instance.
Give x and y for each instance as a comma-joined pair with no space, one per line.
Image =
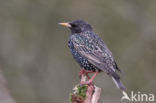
90,51
84,63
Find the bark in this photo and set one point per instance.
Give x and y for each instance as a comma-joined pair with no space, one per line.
92,93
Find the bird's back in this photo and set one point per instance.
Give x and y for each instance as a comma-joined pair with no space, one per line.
90,43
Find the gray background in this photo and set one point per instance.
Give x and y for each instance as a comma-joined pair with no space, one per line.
37,64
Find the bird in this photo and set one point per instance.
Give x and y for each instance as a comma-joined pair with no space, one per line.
90,51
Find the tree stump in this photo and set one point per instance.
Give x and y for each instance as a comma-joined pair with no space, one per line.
86,93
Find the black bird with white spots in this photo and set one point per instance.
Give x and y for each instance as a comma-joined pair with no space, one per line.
90,51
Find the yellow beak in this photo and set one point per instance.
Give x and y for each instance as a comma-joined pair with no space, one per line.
65,24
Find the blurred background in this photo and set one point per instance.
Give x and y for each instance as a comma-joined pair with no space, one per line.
36,65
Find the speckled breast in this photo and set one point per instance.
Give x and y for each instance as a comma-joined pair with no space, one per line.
84,63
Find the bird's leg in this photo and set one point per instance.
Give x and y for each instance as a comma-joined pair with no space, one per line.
84,72
87,72
90,80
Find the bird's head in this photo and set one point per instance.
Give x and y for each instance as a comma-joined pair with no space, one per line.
77,26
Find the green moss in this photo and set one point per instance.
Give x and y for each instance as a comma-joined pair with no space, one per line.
70,98
82,91
79,91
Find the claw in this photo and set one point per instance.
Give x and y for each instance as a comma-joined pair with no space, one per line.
90,81
84,72
86,82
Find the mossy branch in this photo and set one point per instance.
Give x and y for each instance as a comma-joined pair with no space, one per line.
86,93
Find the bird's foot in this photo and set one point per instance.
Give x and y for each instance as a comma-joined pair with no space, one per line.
89,82
84,72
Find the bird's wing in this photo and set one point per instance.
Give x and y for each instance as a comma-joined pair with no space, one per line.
95,51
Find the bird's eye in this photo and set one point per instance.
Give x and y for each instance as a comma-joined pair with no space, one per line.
74,25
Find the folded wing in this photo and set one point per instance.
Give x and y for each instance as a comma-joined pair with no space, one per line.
96,52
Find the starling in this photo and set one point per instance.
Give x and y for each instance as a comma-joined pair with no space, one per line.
90,51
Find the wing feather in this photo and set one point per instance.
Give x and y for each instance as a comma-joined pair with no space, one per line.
96,53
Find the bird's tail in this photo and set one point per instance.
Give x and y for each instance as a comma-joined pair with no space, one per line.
118,83
121,87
